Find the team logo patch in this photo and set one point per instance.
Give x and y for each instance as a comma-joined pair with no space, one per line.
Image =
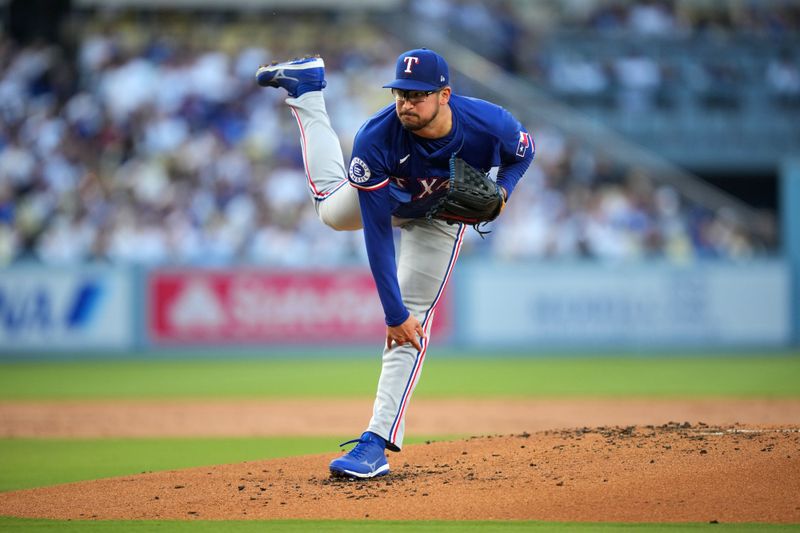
359,171
410,60
524,143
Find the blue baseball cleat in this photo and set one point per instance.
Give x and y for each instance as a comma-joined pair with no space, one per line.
364,461
297,76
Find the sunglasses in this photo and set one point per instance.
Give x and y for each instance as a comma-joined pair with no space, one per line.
413,97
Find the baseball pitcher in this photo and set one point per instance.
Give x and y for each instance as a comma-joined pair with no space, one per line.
421,164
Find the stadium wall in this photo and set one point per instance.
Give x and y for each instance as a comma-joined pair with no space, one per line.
117,312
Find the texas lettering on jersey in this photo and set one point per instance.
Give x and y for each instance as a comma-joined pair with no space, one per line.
430,186
426,186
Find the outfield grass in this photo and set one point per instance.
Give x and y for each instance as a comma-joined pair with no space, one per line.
330,526
741,376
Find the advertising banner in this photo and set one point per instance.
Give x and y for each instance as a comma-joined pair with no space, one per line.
56,309
644,305
191,307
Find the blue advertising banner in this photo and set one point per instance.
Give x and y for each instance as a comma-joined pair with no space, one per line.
57,309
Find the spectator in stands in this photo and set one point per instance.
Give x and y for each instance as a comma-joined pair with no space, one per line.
783,78
651,17
579,80
638,78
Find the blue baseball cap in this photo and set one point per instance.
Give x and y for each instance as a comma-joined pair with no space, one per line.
420,70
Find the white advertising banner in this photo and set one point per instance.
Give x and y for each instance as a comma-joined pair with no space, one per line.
589,305
57,309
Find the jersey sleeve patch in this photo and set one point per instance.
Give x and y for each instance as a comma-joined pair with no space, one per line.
359,171
524,144
362,177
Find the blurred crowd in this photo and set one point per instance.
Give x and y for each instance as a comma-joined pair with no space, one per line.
577,203
144,140
154,145
635,55
668,18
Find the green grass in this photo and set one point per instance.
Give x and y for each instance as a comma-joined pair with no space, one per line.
752,375
327,526
28,463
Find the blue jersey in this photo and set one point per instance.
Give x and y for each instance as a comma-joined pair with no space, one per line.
401,174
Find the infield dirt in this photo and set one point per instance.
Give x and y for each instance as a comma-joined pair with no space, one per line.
671,472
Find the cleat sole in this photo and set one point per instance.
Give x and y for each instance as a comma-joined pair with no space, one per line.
382,471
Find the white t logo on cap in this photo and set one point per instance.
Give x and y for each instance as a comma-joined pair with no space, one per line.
410,60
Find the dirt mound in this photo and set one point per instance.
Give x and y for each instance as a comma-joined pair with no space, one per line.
669,473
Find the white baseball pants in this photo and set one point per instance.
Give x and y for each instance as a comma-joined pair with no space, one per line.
427,253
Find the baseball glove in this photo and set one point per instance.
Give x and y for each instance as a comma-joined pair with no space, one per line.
471,198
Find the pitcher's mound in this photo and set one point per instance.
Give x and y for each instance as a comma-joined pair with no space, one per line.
670,473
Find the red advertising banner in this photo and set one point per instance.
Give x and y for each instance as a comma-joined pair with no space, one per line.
229,307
